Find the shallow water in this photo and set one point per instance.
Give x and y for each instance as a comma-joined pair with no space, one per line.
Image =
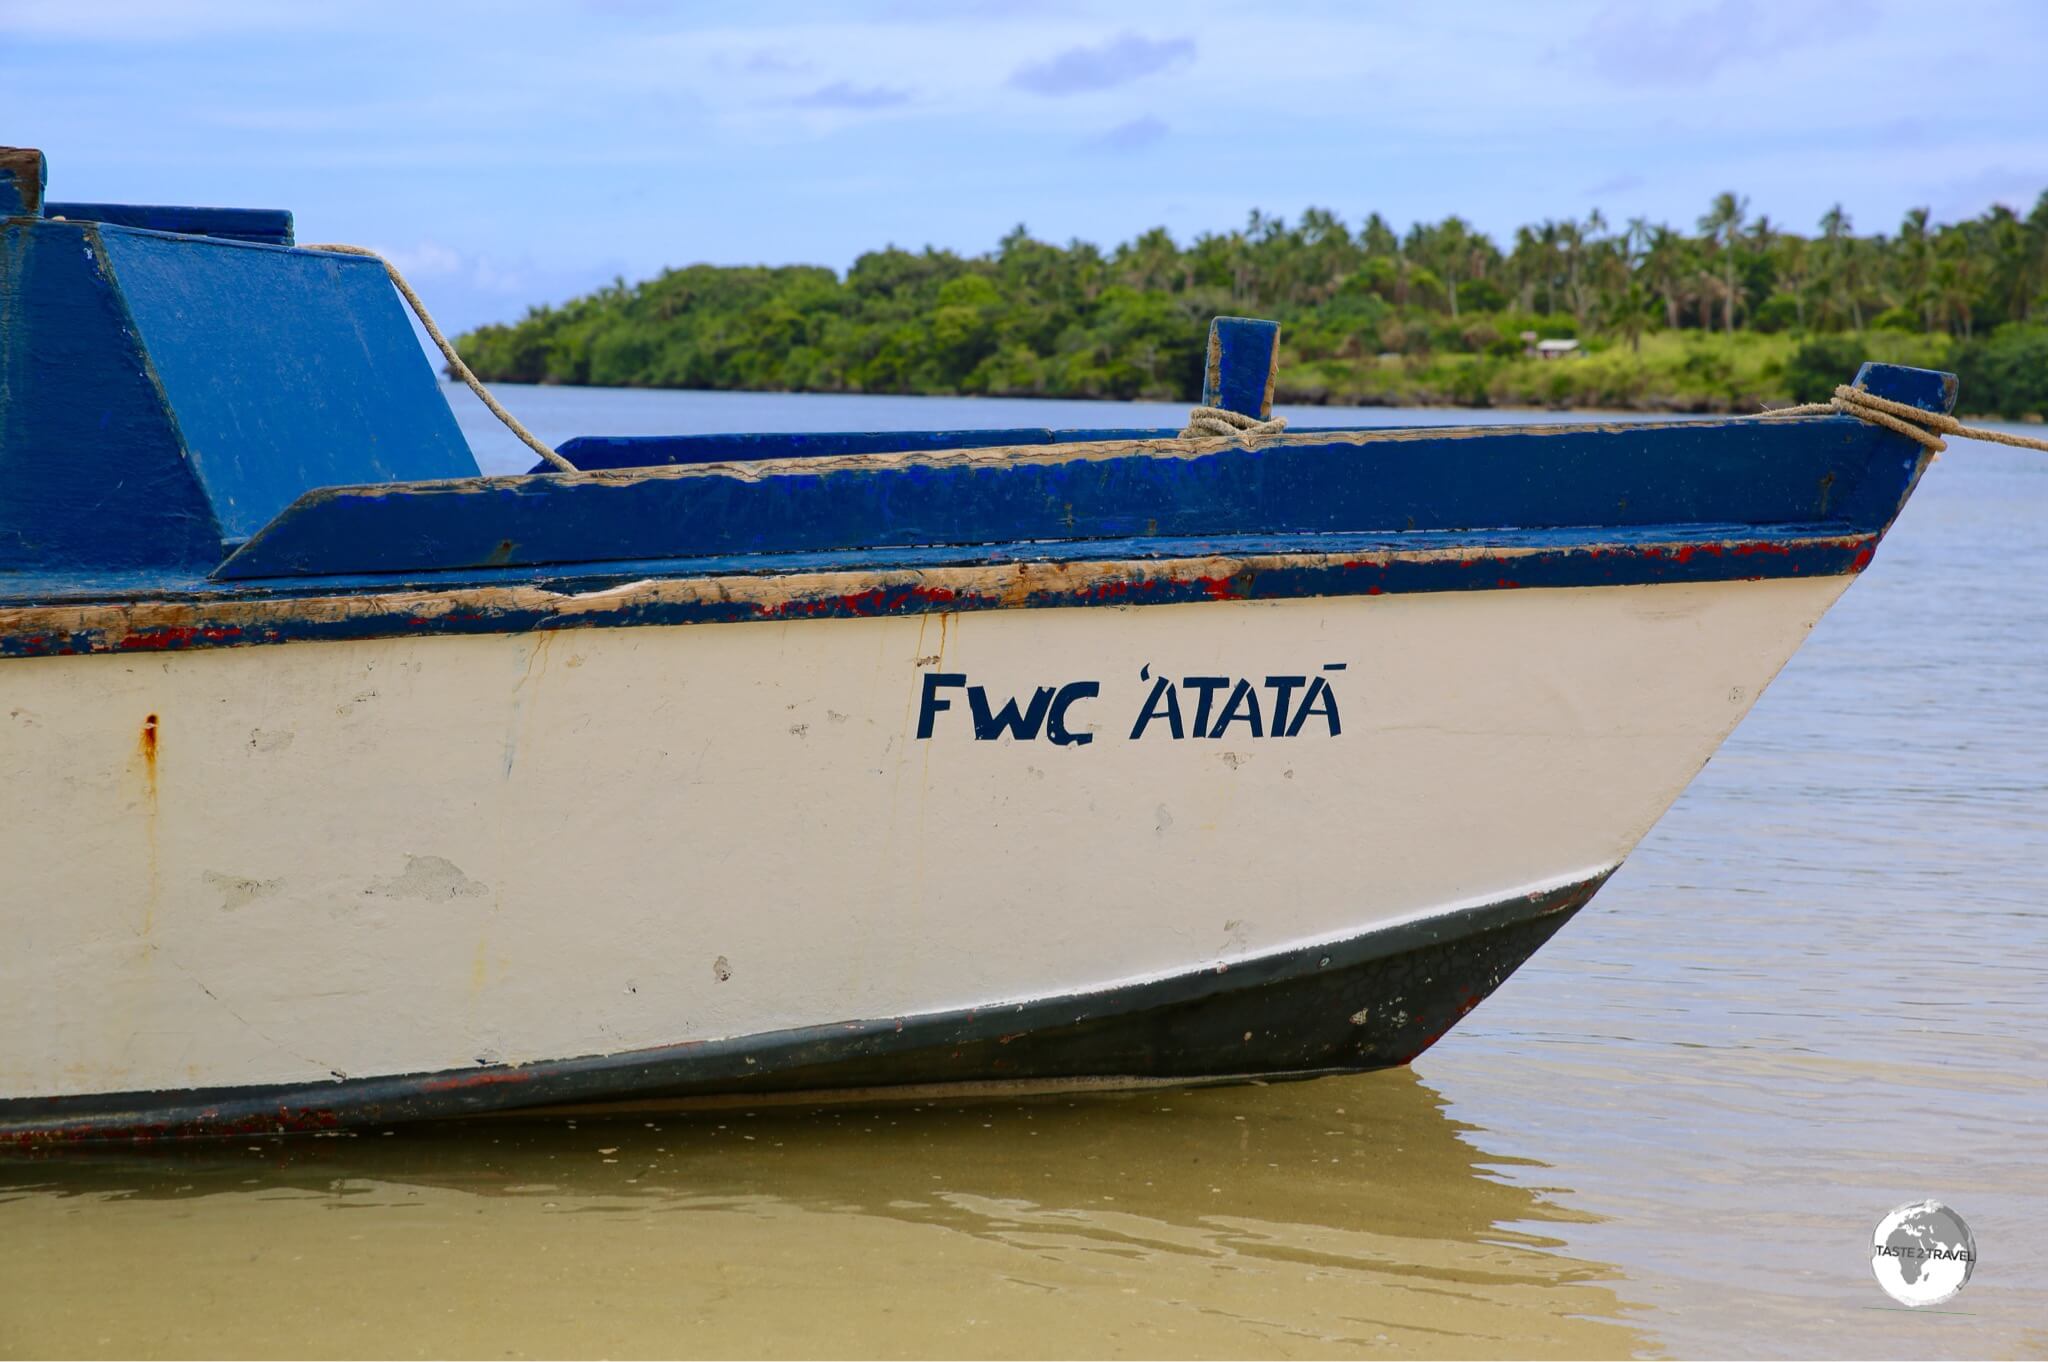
1819,989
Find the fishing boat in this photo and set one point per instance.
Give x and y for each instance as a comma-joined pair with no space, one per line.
341,784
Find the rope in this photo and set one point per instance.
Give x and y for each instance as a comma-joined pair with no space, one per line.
1233,424
1911,422
455,364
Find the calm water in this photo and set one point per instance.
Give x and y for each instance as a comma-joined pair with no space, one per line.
1819,989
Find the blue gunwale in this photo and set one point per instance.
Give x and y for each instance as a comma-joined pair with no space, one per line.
852,536
1828,470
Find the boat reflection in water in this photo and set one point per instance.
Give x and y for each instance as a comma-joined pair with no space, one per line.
1304,1218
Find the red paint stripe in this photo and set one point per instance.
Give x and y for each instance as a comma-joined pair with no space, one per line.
482,1079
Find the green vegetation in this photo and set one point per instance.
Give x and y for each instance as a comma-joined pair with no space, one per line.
1740,314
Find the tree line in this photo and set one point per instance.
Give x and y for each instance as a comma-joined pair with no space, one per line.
1738,311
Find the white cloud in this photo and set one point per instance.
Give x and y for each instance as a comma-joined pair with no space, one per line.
1134,135
1103,66
427,260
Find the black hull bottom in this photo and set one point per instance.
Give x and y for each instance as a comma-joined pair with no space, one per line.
1370,1002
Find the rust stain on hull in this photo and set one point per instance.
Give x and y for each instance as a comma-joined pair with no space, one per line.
147,749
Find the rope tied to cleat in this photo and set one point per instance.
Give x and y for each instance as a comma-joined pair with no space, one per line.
1207,421
455,364
1925,427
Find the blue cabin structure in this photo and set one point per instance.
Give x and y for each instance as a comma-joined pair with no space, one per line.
175,377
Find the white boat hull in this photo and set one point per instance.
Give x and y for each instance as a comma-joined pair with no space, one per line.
332,861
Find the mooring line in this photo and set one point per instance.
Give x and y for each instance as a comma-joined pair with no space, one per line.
1926,427
1206,421
455,364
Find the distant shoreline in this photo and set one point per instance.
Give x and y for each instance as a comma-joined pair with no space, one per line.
1564,316
1283,397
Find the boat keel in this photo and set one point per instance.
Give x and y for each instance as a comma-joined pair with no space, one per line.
1350,1006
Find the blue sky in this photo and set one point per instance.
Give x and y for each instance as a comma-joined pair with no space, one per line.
519,152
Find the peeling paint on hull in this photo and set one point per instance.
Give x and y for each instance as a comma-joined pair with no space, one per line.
202,620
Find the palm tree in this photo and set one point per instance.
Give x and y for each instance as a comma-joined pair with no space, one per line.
1453,251
1240,256
2005,243
1151,262
1914,261
1571,242
1664,269
1624,304
1083,270
1763,240
1955,284
1547,239
1794,270
1327,252
1525,267
2036,271
1722,225
1376,238
1580,244
1842,283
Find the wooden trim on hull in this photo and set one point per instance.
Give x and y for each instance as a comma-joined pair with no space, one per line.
1367,1002
157,624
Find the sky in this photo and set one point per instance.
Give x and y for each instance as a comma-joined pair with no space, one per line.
519,152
